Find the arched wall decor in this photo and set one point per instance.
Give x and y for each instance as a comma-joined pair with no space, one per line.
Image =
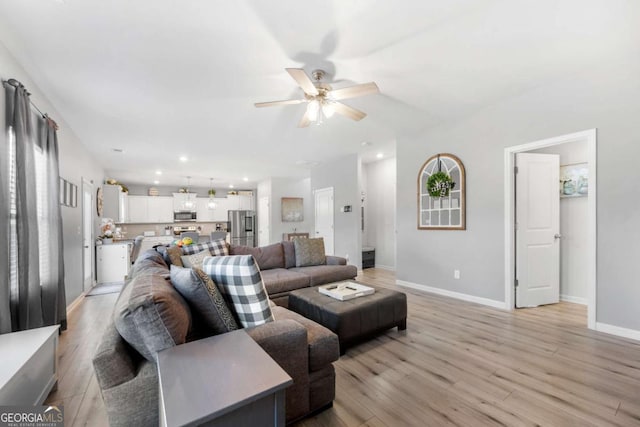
447,212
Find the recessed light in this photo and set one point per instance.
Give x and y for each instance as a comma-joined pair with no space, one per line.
379,155
156,182
245,179
230,185
365,143
158,172
183,158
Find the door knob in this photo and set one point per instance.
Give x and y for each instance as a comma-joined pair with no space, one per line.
557,236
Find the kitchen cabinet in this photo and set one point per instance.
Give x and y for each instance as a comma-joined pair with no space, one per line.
150,209
240,203
220,212
184,201
113,262
115,203
204,214
138,208
159,209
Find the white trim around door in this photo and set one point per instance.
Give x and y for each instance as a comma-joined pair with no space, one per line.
588,136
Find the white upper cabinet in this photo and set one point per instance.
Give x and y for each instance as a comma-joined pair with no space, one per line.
203,212
115,203
150,209
160,209
138,209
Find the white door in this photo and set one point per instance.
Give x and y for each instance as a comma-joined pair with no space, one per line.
87,235
324,217
537,229
264,218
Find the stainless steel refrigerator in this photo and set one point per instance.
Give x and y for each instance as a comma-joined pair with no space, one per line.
242,228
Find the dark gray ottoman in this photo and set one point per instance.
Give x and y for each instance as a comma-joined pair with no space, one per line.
354,319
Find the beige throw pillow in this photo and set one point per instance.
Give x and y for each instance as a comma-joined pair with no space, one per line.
195,261
309,252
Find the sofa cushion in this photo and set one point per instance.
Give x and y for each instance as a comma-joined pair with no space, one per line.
309,252
217,247
149,262
151,315
323,344
267,257
289,254
239,279
281,280
321,274
195,260
208,307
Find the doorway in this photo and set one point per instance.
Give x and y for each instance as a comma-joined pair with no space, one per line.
87,235
264,219
324,217
589,138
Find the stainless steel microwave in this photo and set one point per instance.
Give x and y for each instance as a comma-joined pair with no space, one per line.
181,216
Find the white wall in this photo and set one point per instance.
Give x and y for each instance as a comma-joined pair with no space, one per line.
380,211
573,227
343,175
606,97
287,187
75,163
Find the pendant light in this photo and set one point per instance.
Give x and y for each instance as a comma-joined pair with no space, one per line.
188,204
211,204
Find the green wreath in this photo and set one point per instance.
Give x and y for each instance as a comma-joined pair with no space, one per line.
439,184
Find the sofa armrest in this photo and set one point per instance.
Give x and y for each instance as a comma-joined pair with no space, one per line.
286,342
335,260
112,360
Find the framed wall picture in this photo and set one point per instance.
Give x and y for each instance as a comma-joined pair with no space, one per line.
441,194
292,209
574,180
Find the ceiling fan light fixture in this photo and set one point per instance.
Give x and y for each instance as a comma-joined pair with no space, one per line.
327,109
312,110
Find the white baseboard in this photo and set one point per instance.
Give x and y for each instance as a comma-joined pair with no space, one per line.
385,267
619,331
575,300
76,302
452,294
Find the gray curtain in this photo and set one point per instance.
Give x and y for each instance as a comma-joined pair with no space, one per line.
34,301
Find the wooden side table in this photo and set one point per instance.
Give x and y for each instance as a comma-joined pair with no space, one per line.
224,380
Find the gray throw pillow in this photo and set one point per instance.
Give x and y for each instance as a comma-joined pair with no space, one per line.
239,279
206,302
151,315
195,260
267,257
309,252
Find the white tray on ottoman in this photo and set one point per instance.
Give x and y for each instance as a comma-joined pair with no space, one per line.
345,291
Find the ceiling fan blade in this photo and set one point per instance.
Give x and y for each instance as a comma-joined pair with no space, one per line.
303,81
274,103
353,91
304,121
347,111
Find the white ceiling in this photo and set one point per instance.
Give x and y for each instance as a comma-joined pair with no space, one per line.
165,78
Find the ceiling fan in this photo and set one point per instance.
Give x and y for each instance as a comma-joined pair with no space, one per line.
322,99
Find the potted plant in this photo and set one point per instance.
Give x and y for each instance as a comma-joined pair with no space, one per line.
212,192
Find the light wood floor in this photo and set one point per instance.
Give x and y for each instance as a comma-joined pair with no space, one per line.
456,364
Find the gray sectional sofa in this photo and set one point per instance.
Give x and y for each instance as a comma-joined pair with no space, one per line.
303,348
277,264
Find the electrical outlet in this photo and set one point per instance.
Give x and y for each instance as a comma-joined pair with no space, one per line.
456,274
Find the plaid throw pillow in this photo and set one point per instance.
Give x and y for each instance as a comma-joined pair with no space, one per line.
239,279
217,247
